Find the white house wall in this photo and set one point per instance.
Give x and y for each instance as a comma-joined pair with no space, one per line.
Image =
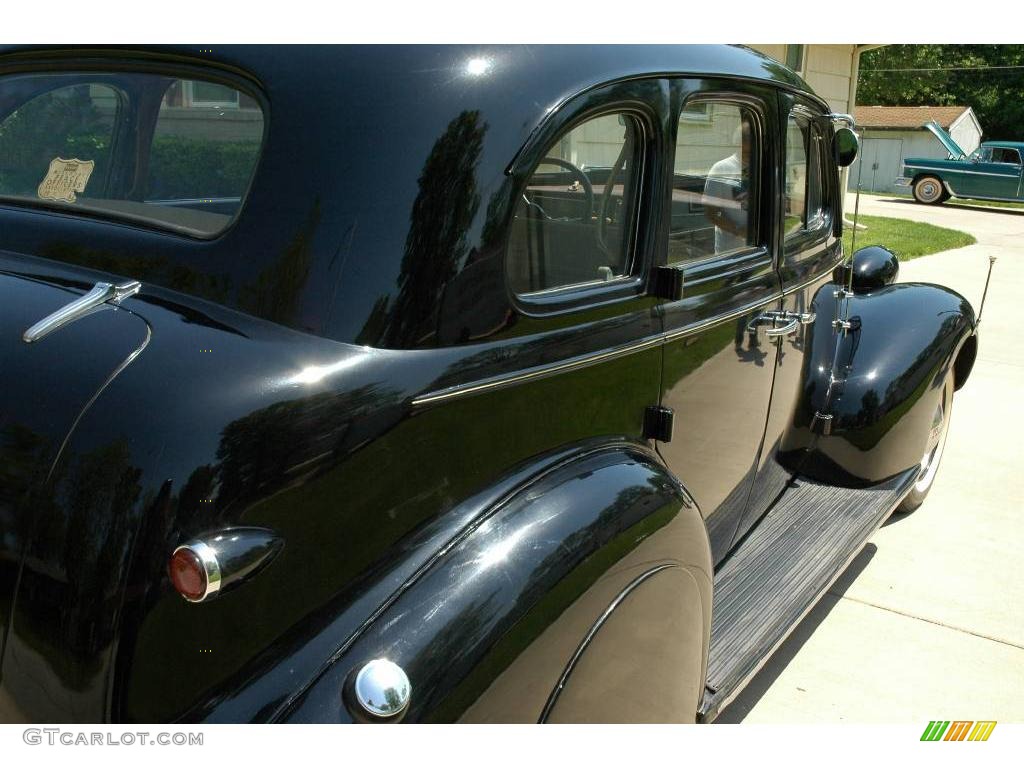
827,69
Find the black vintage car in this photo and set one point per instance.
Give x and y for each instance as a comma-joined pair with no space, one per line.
436,383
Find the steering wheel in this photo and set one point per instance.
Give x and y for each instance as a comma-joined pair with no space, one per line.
579,175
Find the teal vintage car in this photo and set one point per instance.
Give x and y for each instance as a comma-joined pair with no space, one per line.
991,172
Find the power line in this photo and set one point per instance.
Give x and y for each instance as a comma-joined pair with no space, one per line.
948,69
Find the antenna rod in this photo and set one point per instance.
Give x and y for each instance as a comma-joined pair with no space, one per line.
856,210
991,263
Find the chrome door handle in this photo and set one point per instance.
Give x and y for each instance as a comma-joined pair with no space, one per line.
783,330
101,293
767,323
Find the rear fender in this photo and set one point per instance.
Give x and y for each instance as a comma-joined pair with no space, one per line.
505,617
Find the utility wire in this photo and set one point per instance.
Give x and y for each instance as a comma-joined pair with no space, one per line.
948,69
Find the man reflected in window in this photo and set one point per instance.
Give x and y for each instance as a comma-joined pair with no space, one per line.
727,191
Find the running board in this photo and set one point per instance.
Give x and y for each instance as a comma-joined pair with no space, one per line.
777,574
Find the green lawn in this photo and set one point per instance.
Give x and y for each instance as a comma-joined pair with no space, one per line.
907,239
954,200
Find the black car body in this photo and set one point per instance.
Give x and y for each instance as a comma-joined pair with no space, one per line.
605,499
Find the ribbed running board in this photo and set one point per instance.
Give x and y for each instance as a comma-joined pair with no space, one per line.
781,569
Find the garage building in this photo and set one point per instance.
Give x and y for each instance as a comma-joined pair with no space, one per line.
894,133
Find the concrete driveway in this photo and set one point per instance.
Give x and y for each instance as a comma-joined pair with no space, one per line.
928,622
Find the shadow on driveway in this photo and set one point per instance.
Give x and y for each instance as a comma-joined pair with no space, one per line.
980,206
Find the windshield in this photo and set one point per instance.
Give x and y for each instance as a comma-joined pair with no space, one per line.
981,155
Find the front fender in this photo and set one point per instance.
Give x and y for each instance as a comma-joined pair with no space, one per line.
494,626
887,374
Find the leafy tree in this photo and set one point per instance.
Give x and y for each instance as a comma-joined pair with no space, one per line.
946,75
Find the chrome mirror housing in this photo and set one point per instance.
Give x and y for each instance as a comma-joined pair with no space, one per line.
845,146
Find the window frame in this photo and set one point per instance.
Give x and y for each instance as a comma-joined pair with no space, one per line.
759,109
110,73
1004,150
801,54
580,296
808,235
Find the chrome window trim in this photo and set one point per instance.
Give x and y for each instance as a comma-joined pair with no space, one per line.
760,110
584,295
959,170
822,222
582,361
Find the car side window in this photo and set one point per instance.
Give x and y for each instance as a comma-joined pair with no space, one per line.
205,145
145,148
1005,155
573,224
804,199
715,181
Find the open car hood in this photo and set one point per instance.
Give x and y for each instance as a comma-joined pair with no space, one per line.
947,141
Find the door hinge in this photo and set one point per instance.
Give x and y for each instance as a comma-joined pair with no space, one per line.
658,423
668,283
822,423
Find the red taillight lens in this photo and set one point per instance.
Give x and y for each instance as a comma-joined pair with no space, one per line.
187,574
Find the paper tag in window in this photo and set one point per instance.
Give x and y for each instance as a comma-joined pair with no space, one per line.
65,178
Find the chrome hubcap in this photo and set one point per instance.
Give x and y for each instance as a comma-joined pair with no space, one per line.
929,190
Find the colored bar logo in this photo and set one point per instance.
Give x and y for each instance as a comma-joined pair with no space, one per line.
958,730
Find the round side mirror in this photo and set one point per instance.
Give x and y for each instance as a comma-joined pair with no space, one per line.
845,145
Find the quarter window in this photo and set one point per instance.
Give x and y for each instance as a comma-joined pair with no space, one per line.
573,223
715,182
152,149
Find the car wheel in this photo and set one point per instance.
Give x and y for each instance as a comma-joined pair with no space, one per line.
933,453
928,190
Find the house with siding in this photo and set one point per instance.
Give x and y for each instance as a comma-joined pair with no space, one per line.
830,70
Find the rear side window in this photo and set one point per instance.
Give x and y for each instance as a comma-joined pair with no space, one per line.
715,181
159,151
573,224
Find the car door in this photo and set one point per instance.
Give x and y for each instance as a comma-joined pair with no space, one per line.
810,251
717,367
996,174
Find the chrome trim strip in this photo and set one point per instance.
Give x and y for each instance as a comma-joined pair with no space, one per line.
101,293
582,361
959,170
689,330
842,117
595,627
540,371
